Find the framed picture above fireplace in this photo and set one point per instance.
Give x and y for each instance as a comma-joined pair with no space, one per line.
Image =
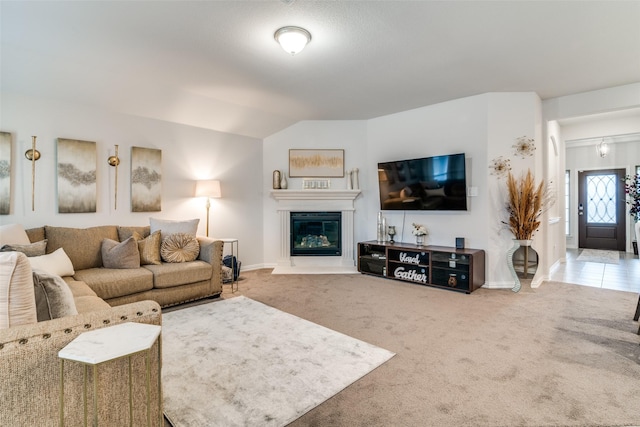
316,163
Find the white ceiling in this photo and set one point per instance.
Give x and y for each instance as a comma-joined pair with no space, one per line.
214,64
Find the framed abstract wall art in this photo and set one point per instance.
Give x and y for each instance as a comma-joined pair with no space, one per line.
5,173
76,176
316,163
146,179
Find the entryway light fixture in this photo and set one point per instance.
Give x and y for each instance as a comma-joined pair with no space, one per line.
292,39
602,149
210,189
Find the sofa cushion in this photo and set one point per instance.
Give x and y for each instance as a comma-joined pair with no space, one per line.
149,248
32,249
53,296
179,247
57,263
83,245
120,254
88,303
169,275
125,232
17,296
13,234
167,226
111,283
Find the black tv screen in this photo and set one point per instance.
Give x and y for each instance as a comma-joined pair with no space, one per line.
429,183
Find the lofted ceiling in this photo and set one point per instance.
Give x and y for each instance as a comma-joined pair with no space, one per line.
215,64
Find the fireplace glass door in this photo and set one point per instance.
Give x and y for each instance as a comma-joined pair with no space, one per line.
316,233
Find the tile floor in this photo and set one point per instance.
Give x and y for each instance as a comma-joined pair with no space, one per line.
624,276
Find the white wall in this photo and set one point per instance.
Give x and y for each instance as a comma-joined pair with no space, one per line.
480,126
188,154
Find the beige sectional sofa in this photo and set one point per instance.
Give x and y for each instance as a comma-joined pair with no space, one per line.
29,363
167,283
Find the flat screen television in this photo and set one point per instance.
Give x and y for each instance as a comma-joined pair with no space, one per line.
429,184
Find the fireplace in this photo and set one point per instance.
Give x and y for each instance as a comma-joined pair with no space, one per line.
316,233
331,201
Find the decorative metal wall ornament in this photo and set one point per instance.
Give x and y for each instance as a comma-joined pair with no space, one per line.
524,147
5,173
77,164
32,155
500,166
115,161
146,179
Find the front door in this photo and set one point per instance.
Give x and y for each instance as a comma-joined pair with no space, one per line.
601,209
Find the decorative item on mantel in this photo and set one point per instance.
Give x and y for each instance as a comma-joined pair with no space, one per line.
276,179
527,202
419,231
356,179
283,182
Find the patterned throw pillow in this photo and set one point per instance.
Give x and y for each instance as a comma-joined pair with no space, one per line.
149,248
180,247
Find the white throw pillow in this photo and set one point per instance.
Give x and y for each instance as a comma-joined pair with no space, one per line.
168,227
57,263
17,296
13,234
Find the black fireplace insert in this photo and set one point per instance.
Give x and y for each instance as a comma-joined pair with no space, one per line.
316,234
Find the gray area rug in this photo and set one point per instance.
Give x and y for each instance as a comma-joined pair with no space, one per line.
597,255
238,362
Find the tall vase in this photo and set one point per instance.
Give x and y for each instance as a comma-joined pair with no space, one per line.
283,183
510,252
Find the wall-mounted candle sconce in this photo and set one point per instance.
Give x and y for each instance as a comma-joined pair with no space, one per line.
32,155
115,161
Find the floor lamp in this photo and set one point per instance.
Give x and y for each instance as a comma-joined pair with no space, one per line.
210,189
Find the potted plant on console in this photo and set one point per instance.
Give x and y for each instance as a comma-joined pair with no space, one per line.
419,231
527,201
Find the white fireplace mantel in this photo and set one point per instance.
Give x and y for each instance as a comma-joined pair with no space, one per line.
315,200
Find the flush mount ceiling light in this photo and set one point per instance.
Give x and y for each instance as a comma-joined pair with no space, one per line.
292,39
602,148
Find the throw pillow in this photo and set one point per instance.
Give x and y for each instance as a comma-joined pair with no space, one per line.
124,232
56,262
168,227
32,249
17,300
120,255
13,234
52,296
149,248
180,247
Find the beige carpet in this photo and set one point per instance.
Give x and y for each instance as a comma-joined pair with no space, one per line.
559,355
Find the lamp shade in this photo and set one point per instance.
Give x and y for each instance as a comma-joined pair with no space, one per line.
292,39
208,188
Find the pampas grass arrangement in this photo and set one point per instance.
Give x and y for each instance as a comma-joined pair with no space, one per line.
527,202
